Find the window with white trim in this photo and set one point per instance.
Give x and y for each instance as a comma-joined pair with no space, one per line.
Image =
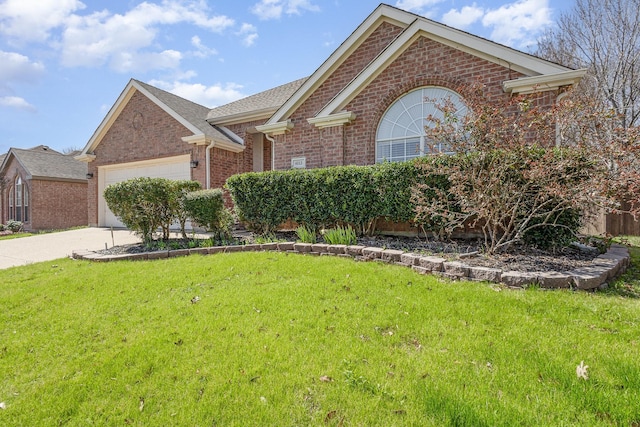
401,131
19,201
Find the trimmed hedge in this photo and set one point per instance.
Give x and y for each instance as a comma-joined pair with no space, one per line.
319,198
360,195
206,207
146,204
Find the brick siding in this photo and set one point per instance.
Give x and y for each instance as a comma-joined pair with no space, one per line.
142,131
52,204
424,63
58,204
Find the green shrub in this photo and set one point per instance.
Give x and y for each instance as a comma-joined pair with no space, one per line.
140,203
317,198
178,190
147,204
557,232
340,236
305,234
206,208
14,226
260,199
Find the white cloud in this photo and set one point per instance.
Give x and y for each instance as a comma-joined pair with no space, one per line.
518,24
17,103
273,9
294,7
202,51
25,20
417,6
249,34
464,18
128,42
209,96
126,62
18,68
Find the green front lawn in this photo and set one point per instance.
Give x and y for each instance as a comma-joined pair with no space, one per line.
266,339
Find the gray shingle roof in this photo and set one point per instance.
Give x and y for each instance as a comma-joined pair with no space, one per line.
195,114
270,99
50,164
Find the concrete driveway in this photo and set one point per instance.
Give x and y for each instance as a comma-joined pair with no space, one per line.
50,246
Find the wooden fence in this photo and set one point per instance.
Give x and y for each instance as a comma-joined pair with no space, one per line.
622,225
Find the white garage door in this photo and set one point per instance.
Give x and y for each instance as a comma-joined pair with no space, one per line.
170,168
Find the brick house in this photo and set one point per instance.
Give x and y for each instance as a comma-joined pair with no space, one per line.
44,189
366,103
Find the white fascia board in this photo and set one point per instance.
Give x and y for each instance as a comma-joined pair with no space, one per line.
234,119
166,109
486,49
543,83
278,128
117,108
202,139
369,73
111,117
337,119
460,40
383,13
85,157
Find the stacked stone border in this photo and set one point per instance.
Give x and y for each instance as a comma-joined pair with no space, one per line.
602,270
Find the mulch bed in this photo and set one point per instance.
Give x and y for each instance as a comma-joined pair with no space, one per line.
519,258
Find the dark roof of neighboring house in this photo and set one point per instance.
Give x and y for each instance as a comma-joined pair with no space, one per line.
43,148
270,99
49,164
195,114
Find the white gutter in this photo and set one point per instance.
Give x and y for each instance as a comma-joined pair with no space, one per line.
208,164
273,149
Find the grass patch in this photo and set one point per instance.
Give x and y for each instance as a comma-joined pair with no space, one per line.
21,234
281,339
15,236
628,284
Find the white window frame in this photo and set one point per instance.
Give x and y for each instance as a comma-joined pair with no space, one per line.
402,125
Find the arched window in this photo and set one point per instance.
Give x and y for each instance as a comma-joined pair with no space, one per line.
25,197
11,208
19,201
401,134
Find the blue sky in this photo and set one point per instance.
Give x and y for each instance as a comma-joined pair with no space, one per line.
63,63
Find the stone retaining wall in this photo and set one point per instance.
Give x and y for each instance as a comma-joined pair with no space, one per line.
603,268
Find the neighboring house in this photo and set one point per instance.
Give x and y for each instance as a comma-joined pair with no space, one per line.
44,189
366,103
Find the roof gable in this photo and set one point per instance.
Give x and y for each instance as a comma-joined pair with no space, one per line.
190,114
414,26
47,164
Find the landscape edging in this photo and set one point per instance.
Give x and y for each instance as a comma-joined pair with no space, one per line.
603,268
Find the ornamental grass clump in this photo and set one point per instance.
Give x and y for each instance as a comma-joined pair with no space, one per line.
306,234
340,236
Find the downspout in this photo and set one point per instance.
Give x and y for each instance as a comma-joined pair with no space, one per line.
208,164
273,149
